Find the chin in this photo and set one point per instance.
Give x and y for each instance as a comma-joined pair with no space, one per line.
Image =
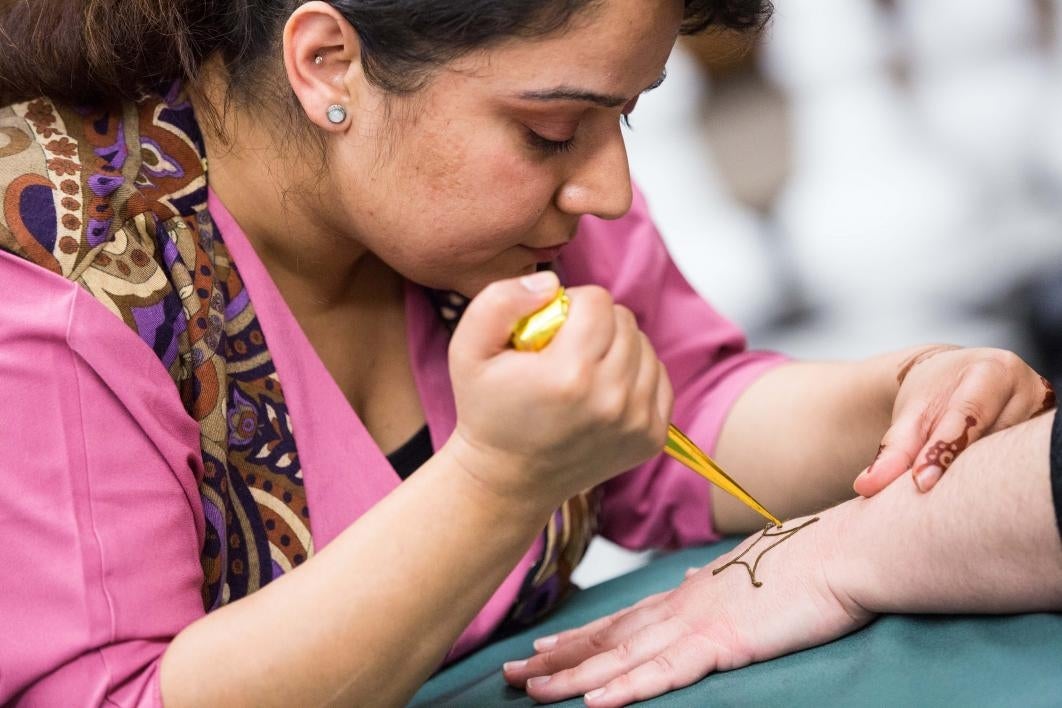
472,286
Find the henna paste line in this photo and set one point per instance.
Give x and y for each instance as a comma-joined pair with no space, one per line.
942,454
782,537
1049,398
876,458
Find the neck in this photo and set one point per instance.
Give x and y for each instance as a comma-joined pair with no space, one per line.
280,201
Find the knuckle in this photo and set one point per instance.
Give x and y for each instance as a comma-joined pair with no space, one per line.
969,408
623,651
550,663
663,664
611,407
597,641
595,296
990,369
1009,360
625,316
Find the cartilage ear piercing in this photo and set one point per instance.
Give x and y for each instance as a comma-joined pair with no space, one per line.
318,59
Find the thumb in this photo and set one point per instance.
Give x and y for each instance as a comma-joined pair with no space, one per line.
897,453
488,321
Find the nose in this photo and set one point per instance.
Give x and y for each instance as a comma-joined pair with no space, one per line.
600,184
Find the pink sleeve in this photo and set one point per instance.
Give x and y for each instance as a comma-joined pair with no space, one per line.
100,516
661,504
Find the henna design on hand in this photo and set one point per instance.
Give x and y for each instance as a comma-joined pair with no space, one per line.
921,356
782,536
877,456
1049,398
942,454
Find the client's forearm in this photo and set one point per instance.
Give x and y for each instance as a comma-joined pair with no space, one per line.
984,540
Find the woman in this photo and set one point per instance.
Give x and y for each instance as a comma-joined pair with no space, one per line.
204,363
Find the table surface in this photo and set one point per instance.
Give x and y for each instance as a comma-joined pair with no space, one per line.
897,660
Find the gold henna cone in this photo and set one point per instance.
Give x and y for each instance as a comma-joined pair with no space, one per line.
535,331
682,449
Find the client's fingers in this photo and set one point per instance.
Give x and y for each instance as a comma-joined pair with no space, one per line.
899,447
566,649
947,441
607,663
687,660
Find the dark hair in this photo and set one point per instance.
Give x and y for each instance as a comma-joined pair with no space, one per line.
83,50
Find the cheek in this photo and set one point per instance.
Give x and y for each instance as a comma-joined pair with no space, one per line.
445,208
481,178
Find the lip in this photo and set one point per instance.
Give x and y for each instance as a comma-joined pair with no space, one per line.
547,254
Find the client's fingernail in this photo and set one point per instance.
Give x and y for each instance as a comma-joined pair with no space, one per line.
691,571
927,477
541,282
596,693
538,681
514,665
545,643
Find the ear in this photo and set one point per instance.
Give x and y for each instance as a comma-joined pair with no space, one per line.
322,58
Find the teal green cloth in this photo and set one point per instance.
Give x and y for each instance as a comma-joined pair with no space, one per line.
896,661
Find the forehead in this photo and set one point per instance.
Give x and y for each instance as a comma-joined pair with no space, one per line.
616,47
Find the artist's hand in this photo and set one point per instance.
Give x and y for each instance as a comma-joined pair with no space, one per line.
947,398
710,623
540,427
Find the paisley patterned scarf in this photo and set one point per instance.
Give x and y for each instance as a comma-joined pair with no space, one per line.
114,198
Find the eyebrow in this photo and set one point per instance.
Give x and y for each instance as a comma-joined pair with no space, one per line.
565,93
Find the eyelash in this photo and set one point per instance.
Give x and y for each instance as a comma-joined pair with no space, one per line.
550,147
559,147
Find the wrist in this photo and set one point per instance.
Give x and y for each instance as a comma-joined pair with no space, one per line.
846,565
479,474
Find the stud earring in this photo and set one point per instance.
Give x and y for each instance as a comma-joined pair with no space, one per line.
318,59
336,114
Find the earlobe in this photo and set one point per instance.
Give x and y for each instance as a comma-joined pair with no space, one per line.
322,59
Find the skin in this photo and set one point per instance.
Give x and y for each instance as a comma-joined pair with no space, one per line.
452,187
955,550
339,624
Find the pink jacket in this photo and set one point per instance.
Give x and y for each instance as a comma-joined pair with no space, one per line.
97,575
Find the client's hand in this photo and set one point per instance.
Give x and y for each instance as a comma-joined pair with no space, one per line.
709,623
948,398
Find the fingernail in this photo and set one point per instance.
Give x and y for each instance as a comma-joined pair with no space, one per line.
596,693
545,643
691,571
927,477
538,681
541,282
514,665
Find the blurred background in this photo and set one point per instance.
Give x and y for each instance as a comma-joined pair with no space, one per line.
864,176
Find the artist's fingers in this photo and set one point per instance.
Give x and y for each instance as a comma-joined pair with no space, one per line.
624,357
601,667
899,447
687,660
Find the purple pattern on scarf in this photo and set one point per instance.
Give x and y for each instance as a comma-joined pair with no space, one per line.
37,209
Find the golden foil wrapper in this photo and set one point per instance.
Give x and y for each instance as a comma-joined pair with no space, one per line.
534,332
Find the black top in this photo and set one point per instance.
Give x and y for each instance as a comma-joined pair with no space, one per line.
1056,467
412,454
